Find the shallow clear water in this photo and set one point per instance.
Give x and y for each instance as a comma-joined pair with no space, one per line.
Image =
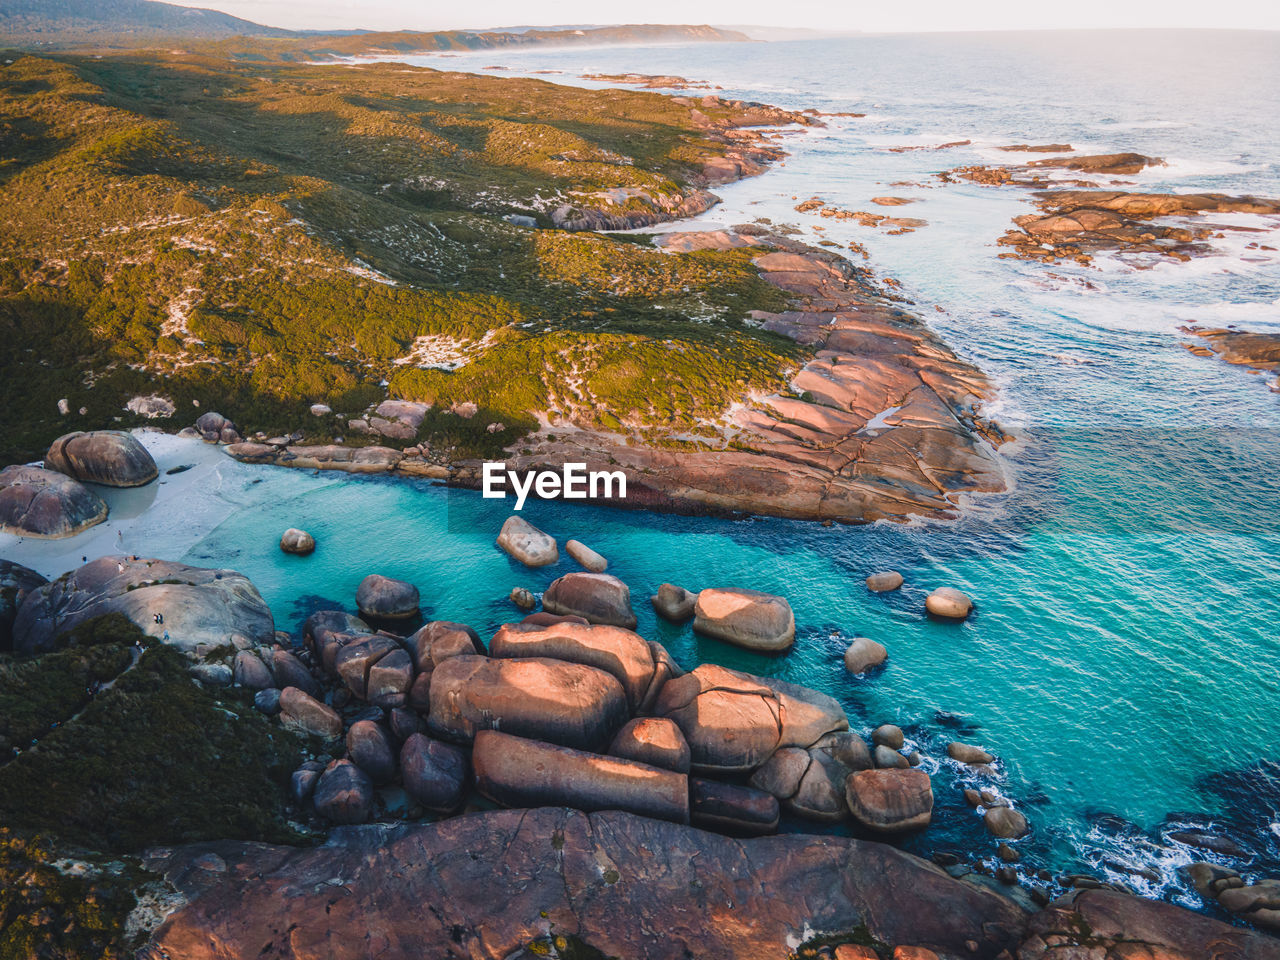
1123,657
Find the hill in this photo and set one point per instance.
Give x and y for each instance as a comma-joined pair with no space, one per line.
64,22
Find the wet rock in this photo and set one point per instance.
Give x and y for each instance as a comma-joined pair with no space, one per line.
289,671
728,808
112,458
267,701
890,801
747,618
46,504
1258,903
195,610
624,655
888,735
596,597
297,542
673,603
655,741
864,654
1203,875
1007,853
968,753
523,598
564,703
586,557
305,714
370,747
434,773
384,598
1215,843
884,582
1005,822
248,670
323,623
390,679
526,543
516,772
947,603
343,794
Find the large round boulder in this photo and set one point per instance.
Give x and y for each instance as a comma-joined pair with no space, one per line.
370,747
516,772
46,504
344,793
596,597
383,598
16,581
947,603
864,654
615,650
526,543
112,458
747,618
673,603
891,800
434,772
656,741
565,703
197,610
1005,822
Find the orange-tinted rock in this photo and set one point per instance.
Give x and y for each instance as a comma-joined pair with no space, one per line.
305,714
516,772
746,618
564,703
617,651
596,597
656,741
890,801
732,809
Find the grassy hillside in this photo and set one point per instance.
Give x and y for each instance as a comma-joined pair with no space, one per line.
260,237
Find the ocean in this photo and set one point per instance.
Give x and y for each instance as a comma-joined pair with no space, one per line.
1124,658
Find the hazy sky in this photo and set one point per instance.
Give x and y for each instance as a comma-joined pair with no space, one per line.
870,15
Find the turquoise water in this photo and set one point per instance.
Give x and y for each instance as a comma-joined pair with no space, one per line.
1123,659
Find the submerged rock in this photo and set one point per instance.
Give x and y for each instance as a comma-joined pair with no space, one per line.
112,458
46,504
297,541
968,753
523,598
526,543
747,618
516,772
596,597
384,598
196,610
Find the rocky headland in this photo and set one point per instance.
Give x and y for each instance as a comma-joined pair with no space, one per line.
1258,351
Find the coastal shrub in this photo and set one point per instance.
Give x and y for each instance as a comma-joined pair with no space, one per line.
152,759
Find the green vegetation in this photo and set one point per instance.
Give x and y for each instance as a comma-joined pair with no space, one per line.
149,758
256,237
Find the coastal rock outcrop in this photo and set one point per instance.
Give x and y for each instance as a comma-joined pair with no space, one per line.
16,581
891,800
197,610
732,809
526,543
586,875
516,772
746,618
46,504
385,598
569,704
111,458
596,597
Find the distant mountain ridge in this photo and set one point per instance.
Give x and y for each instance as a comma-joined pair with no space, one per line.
70,23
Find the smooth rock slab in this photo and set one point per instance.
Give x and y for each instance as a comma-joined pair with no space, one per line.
516,772
624,655
591,874
526,543
563,703
746,618
434,772
202,610
596,597
112,458
46,504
